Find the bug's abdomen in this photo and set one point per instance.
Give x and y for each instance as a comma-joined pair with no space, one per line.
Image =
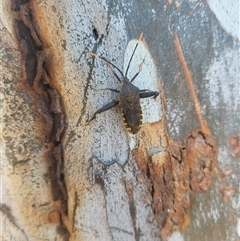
131,109
132,120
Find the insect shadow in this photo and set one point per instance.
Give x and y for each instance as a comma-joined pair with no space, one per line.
129,95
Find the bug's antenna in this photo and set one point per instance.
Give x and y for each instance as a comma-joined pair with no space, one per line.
109,65
139,39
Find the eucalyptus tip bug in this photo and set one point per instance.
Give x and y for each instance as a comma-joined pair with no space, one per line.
129,95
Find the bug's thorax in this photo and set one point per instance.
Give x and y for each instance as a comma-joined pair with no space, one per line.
128,89
129,95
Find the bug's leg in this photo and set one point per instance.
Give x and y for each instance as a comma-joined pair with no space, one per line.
104,108
148,93
114,90
139,69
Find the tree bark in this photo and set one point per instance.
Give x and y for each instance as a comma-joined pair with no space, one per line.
177,178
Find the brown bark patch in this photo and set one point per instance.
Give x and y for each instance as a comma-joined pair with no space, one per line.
234,144
48,103
172,172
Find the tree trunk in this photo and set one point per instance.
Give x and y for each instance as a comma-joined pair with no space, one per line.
177,178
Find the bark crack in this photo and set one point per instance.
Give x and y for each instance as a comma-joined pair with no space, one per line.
37,80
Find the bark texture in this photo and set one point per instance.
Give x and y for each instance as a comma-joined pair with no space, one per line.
176,179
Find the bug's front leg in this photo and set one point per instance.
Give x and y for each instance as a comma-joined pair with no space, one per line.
148,93
104,108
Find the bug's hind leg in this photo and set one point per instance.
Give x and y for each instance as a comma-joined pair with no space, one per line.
104,108
148,93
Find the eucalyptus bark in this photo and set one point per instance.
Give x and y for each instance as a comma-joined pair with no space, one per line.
176,179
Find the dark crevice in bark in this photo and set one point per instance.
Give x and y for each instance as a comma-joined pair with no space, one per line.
37,80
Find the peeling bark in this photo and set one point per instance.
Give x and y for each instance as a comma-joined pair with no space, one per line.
47,101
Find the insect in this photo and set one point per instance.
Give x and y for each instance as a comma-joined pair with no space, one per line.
129,99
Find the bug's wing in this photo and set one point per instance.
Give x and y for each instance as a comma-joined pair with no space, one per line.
132,113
